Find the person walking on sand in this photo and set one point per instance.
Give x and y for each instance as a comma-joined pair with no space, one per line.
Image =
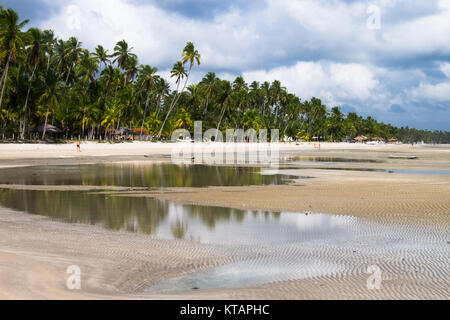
78,146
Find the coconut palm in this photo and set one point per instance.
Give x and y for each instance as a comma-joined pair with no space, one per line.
225,100
51,95
162,90
73,55
131,69
35,54
12,42
193,57
148,77
208,84
178,72
121,53
48,37
102,55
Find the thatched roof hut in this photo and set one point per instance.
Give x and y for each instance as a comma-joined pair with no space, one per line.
361,138
123,131
48,129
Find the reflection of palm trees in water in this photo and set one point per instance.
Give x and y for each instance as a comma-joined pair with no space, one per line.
179,229
115,212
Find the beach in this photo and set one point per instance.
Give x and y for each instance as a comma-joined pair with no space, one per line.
35,251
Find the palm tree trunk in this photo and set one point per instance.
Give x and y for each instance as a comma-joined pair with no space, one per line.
184,87
164,123
158,107
5,78
220,121
206,104
22,135
170,110
67,78
45,124
145,112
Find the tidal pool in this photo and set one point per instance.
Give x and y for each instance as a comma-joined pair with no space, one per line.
274,246
172,220
129,174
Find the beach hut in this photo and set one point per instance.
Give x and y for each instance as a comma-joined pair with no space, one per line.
361,139
50,130
393,140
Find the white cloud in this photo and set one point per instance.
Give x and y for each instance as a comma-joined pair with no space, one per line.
445,68
316,48
333,82
438,92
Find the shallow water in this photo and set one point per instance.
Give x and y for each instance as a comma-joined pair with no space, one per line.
329,160
278,246
396,171
151,175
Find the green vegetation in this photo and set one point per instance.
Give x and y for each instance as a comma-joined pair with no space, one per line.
45,80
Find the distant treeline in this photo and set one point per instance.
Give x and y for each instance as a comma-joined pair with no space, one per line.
46,80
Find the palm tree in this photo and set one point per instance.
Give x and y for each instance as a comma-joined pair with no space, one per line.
224,100
192,56
48,37
208,82
178,72
73,55
109,75
12,41
50,96
162,90
121,53
131,68
102,55
36,51
148,78
87,70
278,96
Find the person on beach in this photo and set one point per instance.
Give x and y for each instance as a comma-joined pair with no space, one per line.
78,146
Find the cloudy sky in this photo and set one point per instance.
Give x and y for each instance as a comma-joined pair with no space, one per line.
385,58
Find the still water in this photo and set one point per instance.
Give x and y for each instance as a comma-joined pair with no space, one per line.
278,246
172,220
151,175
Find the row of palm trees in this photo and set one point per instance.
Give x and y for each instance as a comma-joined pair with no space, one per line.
46,80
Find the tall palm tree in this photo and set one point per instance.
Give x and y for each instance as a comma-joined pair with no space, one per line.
208,82
224,100
162,90
121,53
12,41
178,72
48,37
102,55
131,68
50,96
278,96
86,70
36,51
148,77
109,75
73,55
193,57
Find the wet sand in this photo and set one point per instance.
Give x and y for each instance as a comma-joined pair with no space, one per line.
35,251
